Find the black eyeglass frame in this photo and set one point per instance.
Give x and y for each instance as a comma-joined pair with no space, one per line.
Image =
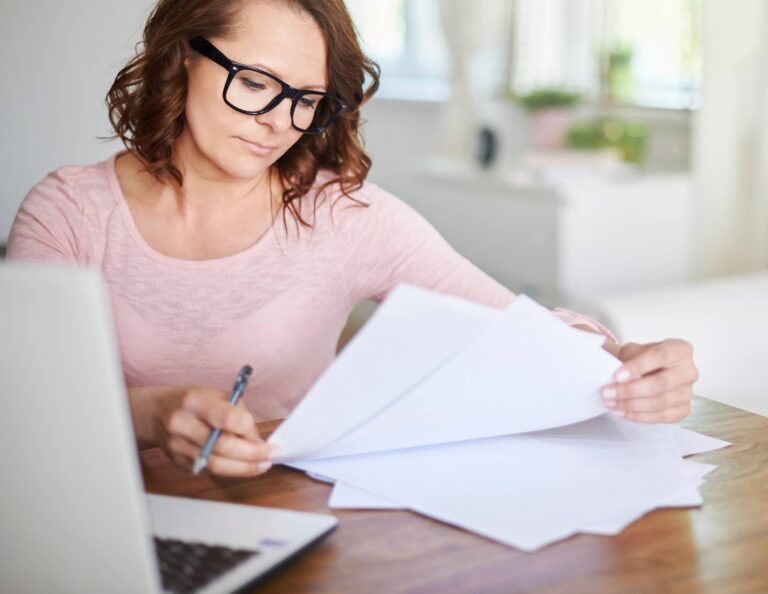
207,49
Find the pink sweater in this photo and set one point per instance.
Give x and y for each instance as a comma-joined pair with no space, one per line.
279,305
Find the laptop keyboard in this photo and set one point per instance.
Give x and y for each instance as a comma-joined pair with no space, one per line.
189,566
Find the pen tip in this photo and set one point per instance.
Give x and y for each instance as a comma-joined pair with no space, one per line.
198,466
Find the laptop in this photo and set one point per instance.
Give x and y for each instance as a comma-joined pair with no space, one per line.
73,513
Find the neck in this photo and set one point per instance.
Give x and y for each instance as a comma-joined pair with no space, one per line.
208,192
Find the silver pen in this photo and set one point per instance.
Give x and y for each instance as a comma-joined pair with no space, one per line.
237,390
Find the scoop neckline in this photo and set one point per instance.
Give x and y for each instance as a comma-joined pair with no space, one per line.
144,246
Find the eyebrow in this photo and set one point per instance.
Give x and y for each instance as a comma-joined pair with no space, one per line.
280,76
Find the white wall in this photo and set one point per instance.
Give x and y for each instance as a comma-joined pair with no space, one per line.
58,60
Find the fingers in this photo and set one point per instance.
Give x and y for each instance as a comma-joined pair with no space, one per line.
656,403
236,448
630,349
640,360
190,417
253,434
185,452
186,425
669,415
653,384
212,407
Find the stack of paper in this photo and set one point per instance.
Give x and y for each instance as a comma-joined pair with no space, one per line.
489,420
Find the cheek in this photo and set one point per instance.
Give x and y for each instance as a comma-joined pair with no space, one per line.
214,126
208,118
287,141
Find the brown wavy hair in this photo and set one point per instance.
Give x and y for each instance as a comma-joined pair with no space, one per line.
147,98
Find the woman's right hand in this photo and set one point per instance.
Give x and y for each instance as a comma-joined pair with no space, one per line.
180,419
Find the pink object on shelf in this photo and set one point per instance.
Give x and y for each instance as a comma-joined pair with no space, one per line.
548,128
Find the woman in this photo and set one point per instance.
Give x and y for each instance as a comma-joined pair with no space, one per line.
238,228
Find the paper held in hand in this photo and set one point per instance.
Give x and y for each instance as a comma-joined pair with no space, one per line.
486,419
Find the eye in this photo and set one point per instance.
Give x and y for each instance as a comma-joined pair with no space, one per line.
252,84
308,103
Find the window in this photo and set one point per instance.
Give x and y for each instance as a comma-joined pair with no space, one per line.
405,38
637,52
642,53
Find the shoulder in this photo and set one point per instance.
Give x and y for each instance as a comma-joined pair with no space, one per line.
368,217
54,212
369,202
71,188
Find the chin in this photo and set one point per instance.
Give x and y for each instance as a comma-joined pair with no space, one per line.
238,165
247,168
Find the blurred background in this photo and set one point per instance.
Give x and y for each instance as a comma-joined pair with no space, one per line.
610,156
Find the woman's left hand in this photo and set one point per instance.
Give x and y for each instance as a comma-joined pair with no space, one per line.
655,383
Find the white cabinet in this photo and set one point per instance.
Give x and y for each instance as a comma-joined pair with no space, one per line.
564,242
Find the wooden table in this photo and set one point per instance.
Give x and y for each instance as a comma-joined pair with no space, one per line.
721,548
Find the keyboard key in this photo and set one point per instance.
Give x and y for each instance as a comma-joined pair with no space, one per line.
188,566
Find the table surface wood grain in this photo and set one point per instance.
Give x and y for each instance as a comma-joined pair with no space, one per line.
720,548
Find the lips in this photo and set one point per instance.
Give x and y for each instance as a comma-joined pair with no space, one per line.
259,144
257,147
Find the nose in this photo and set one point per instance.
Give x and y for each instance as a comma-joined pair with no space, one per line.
279,117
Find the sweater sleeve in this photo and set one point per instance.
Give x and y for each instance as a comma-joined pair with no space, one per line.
49,222
388,242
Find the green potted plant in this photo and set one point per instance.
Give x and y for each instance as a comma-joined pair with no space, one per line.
617,73
628,138
549,110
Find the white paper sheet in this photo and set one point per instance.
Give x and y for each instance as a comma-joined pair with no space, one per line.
520,490
345,496
604,428
526,371
410,335
687,497
691,442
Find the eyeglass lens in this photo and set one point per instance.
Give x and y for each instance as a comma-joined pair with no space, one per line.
252,91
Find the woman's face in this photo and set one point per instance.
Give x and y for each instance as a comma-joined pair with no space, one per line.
271,37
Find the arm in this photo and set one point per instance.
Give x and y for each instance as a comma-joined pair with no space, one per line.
390,243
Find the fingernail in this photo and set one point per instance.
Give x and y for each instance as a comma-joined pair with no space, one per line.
623,376
609,393
264,466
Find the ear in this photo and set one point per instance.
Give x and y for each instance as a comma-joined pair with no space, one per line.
186,53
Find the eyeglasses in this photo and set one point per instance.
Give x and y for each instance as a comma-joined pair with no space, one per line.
253,92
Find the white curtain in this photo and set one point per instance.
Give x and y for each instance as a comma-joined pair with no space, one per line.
478,38
731,140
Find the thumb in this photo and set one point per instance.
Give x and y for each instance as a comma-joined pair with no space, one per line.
630,350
